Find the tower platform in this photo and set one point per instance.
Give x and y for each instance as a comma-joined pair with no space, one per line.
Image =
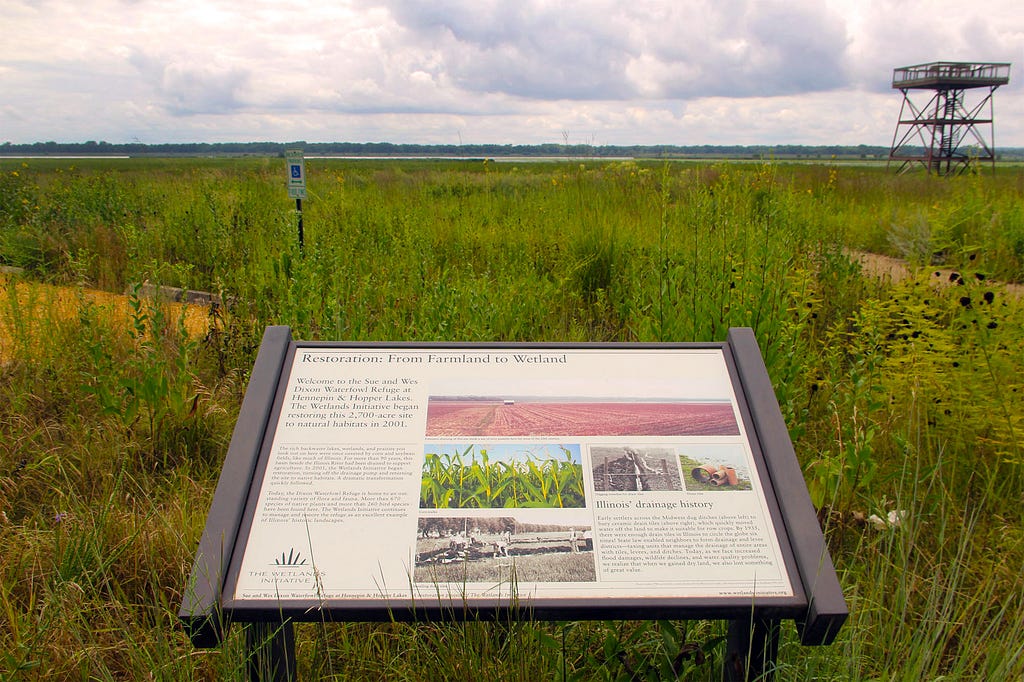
949,75
951,130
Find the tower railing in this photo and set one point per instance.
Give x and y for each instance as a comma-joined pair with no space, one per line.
933,135
954,74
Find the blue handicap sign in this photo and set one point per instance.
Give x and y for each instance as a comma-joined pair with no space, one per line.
296,171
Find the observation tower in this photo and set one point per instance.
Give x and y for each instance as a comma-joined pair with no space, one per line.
948,132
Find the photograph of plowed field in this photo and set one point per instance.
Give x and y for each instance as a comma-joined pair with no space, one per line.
539,418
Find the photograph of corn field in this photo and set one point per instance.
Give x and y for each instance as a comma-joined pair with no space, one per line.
503,550
889,310
498,476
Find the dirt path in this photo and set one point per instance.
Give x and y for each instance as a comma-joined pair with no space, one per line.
40,305
895,270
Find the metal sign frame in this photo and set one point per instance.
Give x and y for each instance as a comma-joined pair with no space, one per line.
816,606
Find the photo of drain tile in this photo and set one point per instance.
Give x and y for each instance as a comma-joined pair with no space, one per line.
716,476
714,469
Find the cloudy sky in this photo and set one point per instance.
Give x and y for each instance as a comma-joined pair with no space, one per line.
599,72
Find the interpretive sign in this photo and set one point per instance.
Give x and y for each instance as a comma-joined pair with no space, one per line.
378,481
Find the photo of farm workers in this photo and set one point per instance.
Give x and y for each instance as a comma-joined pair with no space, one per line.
483,549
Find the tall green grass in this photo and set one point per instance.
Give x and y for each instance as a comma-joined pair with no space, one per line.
902,397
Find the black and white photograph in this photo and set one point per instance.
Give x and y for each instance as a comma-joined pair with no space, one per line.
473,549
634,468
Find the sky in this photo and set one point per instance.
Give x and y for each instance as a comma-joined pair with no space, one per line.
601,72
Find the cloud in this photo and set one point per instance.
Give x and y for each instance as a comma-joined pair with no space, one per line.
523,49
888,34
614,51
184,88
742,49
605,71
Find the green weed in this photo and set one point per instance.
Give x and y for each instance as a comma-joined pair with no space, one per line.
903,397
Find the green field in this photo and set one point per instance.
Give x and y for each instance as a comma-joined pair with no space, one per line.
903,398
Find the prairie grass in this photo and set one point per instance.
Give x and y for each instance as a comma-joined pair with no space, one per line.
903,397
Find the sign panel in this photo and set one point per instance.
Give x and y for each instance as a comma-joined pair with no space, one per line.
296,174
431,473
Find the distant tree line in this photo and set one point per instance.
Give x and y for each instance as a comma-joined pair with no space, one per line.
92,147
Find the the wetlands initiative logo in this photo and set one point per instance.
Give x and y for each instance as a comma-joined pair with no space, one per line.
292,558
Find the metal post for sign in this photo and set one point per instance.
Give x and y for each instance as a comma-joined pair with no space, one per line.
751,650
271,651
298,209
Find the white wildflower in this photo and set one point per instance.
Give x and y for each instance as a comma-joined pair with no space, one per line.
894,519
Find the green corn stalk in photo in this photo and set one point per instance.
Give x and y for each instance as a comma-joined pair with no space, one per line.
471,480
